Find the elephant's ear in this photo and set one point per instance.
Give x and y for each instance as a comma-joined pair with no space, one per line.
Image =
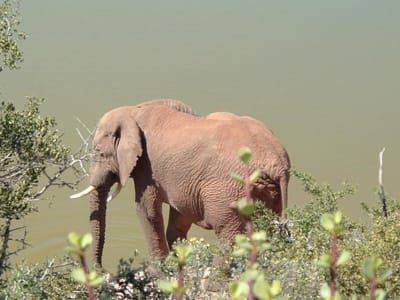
129,149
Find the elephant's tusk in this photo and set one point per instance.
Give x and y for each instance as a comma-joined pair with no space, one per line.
116,192
83,193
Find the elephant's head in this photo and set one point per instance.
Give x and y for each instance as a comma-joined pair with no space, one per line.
117,147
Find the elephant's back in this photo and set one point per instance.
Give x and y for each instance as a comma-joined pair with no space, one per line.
208,147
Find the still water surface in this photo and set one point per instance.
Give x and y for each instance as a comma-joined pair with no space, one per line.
323,76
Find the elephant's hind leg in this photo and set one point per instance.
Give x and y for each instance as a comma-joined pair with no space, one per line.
178,226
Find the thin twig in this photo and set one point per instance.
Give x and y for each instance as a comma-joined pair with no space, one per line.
4,248
380,180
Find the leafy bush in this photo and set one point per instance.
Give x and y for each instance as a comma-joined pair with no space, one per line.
49,280
295,247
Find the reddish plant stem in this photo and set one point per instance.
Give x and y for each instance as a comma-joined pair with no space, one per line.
179,292
372,287
333,263
250,230
89,288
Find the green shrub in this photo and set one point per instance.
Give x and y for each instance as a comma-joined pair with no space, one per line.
49,280
295,246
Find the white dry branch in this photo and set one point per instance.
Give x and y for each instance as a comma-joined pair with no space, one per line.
380,180
75,163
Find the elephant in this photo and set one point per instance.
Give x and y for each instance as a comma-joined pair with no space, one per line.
183,160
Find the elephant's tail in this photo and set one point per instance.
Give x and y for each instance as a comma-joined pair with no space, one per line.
283,183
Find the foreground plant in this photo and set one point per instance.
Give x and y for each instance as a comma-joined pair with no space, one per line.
371,269
77,246
177,286
331,223
252,283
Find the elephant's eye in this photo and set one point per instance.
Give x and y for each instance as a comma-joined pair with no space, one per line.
98,153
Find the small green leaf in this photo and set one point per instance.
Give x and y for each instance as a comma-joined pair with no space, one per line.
261,288
259,236
92,275
73,239
384,276
242,245
264,246
255,175
180,250
338,217
370,266
327,222
324,261
79,275
337,296
240,252
275,288
238,290
246,208
380,294
237,177
183,251
245,154
249,275
325,291
95,282
86,241
167,286
343,258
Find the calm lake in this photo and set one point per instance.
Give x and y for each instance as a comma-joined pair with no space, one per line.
325,76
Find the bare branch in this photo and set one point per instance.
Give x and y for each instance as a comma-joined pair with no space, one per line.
49,266
75,162
380,180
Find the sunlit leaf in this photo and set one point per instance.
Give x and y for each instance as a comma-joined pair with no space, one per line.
261,288
255,175
86,240
245,154
183,251
79,275
238,290
249,275
246,208
95,282
370,266
260,236
384,275
327,221
343,258
237,177
167,286
324,261
325,291
74,239
338,217
380,294
275,288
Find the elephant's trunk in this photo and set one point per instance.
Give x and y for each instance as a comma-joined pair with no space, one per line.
98,206
284,182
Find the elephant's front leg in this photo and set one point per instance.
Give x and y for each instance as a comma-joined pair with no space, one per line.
149,211
178,226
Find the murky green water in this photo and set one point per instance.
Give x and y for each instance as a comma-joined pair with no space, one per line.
323,76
